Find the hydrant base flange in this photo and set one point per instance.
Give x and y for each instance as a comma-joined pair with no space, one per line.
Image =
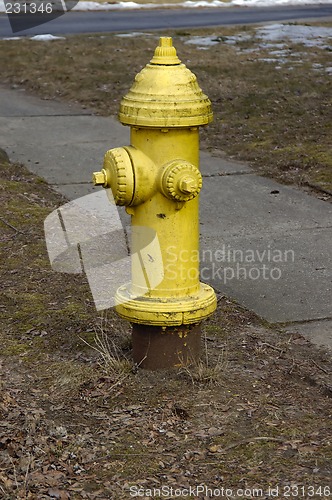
153,311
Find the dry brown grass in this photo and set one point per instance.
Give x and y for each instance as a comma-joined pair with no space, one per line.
263,412
277,119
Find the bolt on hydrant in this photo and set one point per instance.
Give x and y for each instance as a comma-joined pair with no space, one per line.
157,179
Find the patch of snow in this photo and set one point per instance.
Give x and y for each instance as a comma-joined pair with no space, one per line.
132,34
111,6
203,41
46,38
82,5
204,3
241,37
38,38
210,41
317,68
272,38
297,54
14,38
270,59
273,45
274,3
279,53
310,36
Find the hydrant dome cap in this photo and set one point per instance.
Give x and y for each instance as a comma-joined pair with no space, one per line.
165,94
165,53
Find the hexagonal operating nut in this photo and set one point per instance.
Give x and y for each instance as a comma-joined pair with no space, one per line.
100,178
188,185
180,180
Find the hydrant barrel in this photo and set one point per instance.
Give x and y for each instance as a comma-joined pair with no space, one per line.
157,179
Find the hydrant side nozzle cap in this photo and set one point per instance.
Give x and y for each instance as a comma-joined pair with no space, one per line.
165,54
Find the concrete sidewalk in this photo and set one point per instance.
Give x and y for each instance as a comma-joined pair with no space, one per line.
266,245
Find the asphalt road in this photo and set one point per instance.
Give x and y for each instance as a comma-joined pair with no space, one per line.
158,19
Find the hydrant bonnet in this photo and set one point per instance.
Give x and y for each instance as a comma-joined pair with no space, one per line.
165,94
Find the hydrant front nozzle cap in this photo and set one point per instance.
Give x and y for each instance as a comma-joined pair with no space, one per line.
165,53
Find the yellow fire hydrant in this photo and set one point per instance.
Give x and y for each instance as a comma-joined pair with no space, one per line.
157,179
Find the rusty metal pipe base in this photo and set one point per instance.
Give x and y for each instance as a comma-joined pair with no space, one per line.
157,347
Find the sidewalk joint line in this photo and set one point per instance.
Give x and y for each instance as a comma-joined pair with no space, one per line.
70,183
306,321
227,174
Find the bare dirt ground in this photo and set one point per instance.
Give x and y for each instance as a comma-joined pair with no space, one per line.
81,424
